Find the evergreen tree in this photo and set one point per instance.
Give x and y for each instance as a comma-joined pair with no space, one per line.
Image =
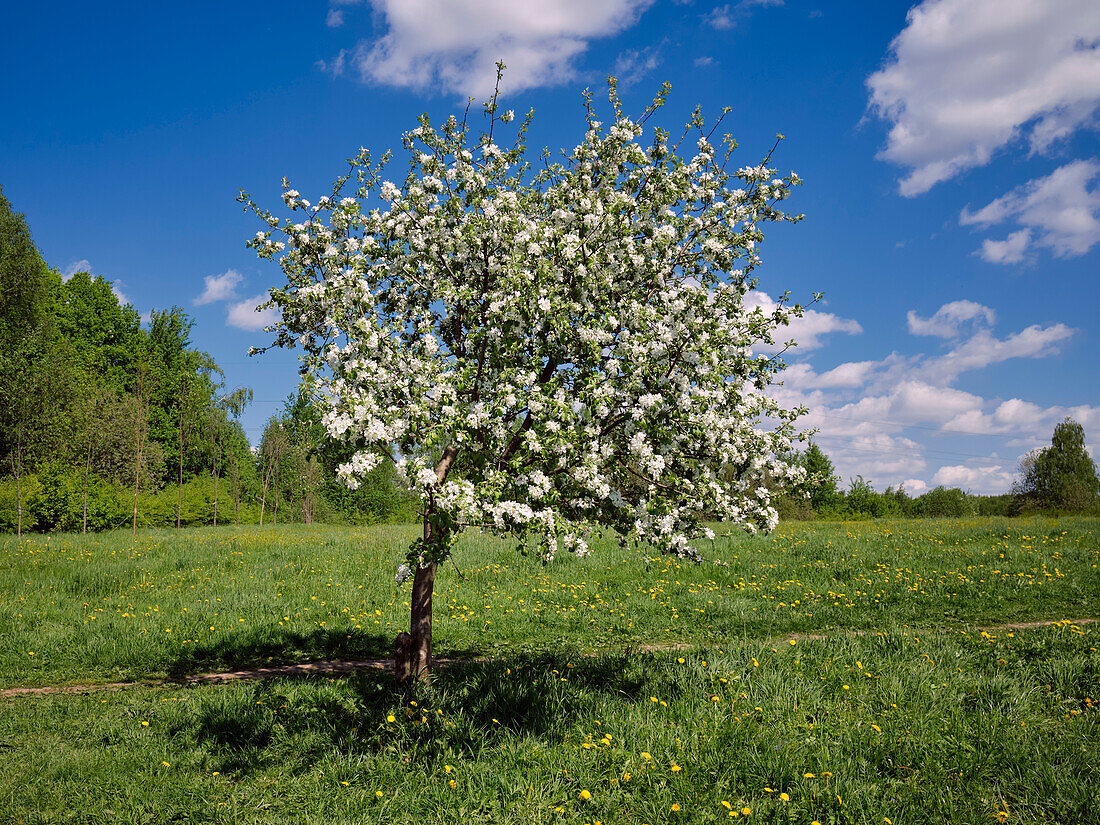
1062,476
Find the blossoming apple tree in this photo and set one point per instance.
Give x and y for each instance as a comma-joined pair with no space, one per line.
543,348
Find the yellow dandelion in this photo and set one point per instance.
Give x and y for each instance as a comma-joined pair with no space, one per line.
447,769
166,764
675,806
846,687
453,784
784,797
378,794
727,805
646,756
585,795
746,811
680,660
145,724
807,775
675,768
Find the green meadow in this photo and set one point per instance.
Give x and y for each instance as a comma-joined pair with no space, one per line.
832,673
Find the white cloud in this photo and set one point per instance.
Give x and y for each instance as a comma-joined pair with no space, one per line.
995,478
83,265
1062,210
453,45
720,18
245,315
898,420
984,349
725,17
634,64
1009,251
807,330
220,287
966,77
948,319
704,61
116,288
335,18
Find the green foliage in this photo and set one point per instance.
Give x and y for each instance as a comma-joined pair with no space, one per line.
1062,476
943,502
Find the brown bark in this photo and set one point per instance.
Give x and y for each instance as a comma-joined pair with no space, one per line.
420,624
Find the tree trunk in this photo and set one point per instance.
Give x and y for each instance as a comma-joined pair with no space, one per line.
17,469
420,652
87,469
420,625
179,495
137,468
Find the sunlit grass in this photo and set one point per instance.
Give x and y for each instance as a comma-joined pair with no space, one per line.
584,712
75,609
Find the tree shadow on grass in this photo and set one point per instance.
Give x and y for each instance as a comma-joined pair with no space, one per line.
467,708
270,646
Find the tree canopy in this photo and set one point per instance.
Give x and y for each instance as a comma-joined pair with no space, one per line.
541,350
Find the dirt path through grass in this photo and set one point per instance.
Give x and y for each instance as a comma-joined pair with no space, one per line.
343,667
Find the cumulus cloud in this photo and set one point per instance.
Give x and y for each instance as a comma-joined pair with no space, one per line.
949,318
808,330
335,18
1061,209
995,477
453,45
899,420
965,78
1009,251
246,315
220,287
984,349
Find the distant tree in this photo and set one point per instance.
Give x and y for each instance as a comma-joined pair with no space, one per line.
821,479
33,369
273,446
1062,476
943,502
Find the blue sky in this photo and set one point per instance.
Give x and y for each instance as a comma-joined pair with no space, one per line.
949,150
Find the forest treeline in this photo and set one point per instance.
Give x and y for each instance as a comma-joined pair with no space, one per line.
104,423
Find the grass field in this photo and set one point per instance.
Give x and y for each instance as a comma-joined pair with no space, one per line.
922,718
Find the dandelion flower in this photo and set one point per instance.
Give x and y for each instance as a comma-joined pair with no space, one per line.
675,806
145,724
675,768
680,660
746,811
453,784
646,756
391,718
378,794
784,797
807,775
585,795
447,769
